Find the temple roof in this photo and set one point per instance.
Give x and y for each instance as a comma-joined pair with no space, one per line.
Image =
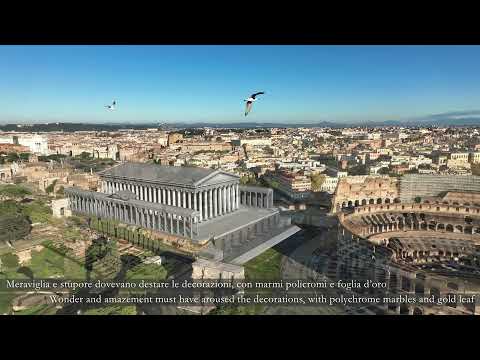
173,175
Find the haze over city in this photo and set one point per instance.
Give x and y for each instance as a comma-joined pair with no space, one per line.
188,84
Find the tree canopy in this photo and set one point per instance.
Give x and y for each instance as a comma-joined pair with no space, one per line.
317,181
14,227
14,191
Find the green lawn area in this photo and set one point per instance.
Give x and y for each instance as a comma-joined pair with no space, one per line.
8,271
46,263
37,211
113,310
265,266
14,191
147,272
41,309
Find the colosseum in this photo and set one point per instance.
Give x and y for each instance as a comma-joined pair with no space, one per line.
423,242
363,190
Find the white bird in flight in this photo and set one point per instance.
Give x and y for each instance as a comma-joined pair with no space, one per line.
250,101
111,107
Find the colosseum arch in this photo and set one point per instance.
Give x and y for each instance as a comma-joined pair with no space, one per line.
449,228
357,203
364,202
371,201
387,201
379,201
459,228
441,227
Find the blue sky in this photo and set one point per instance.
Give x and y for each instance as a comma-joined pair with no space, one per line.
208,83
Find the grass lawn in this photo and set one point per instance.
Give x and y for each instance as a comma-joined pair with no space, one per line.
265,266
113,310
46,263
6,295
37,211
41,309
147,272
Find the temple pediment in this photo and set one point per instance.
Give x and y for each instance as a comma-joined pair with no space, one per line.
168,175
217,178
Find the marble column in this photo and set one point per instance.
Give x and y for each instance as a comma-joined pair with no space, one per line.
219,201
194,195
189,200
224,200
237,196
200,205
184,201
205,205
229,198
210,203
215,208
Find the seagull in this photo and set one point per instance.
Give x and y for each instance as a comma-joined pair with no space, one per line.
250,101
111,107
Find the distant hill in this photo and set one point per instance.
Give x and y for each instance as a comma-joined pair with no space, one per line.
447,119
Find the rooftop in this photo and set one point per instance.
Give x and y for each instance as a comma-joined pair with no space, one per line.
176,175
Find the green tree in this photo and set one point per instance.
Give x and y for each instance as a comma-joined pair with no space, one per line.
85,155
9,207
24,156
384,171
10,261
49,189
14,191
37,212
14,227
11,157
61,191
317,181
